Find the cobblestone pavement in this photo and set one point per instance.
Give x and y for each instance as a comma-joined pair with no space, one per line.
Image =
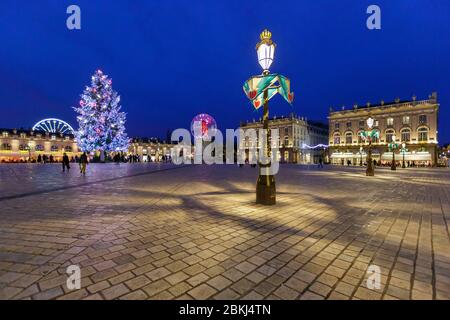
194,232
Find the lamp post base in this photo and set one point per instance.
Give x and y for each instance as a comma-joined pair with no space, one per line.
393,167
265,190
370,172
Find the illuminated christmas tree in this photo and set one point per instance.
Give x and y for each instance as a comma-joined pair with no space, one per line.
101,123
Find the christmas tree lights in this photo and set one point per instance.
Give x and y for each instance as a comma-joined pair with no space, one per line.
101,123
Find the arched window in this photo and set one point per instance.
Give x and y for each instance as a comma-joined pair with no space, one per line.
337,138
423,134
389,134
406,135
39,147
377,138
23,147
55,148
68,149
348,138
360,138
6,146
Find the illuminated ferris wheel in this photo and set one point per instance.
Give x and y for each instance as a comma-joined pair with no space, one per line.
53,125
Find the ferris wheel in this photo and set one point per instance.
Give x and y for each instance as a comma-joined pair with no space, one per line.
54,125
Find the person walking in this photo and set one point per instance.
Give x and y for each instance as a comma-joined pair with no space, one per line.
65,162
320,163
83,163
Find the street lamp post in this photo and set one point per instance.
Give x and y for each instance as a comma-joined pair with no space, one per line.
393,146
361,153
369,136
265,185
260,89
403,153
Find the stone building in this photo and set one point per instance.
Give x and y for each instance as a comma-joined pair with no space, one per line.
26,145
413,122
300,140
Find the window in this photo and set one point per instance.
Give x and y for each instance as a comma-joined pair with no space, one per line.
376,123
337,138
5,134
423,119
406,135
389,135
23,135
286,131
286,156
23,147
6,146
349,124
423,134
55,148
348,138
286,141
336,125
362,123
53,137
39,147
360,138
390,121
405,120
68,149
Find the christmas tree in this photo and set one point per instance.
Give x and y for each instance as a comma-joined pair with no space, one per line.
101,123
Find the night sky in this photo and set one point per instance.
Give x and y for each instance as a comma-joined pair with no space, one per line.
170,60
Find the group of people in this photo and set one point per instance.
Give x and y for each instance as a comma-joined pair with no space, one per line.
83,161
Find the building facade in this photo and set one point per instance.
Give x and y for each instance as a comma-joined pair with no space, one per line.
300,140
27,145
412,122
150,149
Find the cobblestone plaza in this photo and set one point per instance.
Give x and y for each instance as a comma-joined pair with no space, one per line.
159,231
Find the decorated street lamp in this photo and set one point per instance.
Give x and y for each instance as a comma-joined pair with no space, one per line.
393,146
260,89
403,151
369,136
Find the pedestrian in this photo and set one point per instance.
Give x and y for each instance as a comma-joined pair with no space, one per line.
65,162
39,159
320,163
83,163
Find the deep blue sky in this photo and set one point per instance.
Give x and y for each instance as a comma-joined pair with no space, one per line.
170,60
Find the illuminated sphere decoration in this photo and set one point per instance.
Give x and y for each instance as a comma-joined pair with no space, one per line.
203,125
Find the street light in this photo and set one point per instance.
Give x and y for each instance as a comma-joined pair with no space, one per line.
361,153
266,50
393,146
403,150
265,185
368,136
259,90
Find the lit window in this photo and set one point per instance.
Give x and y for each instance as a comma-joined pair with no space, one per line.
53,137
423,134
39,147
55,148
336,125
405,119
337,139
406,135
5,134
389,135
390,121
